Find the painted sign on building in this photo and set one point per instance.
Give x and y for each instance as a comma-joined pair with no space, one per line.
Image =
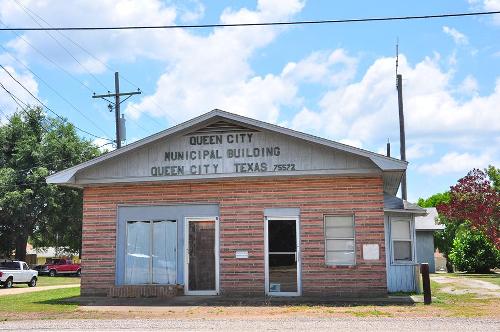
224,154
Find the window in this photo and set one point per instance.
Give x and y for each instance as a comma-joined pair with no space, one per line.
151,252
339,240
10,265
401,240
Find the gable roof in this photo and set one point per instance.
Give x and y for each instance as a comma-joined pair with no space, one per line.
392,168
428,222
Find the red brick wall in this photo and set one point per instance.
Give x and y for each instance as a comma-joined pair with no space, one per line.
242,204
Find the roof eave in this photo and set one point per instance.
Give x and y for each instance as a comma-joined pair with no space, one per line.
383,162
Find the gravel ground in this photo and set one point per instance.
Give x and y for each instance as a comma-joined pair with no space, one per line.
288,324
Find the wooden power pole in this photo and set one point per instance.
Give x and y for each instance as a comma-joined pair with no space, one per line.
116,105
402,140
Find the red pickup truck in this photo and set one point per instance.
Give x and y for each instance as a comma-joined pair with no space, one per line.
56,266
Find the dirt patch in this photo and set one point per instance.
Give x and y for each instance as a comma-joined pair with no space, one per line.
458,286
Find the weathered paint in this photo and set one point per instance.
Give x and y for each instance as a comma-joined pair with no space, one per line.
209,123
400,276
176,212
425,249
222,155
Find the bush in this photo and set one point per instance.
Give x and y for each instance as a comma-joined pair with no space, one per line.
473,252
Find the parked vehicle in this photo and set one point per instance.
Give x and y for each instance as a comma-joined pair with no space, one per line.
17,272
55,266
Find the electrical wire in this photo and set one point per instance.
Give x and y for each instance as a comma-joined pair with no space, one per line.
32,14
61,45
224,25
23,106
48,108
54,90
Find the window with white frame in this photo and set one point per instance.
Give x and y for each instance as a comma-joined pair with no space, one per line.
151,252
339,240
402,241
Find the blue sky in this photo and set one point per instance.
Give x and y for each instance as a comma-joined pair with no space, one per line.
335,81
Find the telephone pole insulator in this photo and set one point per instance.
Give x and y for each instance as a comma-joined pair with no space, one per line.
119,118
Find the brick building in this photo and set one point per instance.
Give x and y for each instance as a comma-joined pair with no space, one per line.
224,204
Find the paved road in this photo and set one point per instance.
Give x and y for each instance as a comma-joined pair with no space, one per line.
275,324
21,290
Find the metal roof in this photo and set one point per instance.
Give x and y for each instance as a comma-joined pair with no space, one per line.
396,204
428,222
391,168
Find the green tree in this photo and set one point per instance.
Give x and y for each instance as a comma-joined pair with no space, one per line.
494,176
473,252
33,147
434,200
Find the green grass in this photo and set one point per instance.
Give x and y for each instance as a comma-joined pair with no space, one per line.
458,305
494,278
49,301
52,281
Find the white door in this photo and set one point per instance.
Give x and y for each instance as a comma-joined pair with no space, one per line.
282,256
26,273
201,257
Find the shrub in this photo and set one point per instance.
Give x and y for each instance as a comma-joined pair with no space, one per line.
473,252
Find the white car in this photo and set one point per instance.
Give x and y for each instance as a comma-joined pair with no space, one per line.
17,272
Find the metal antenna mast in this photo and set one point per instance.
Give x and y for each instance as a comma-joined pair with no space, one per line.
119,122
402,140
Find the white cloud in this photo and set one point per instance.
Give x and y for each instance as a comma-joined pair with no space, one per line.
469,86
351,142
213,71
488,5
458,37
335,68
118,45
7,104
367,110
455,162
103,144
189,15
419,150
201,71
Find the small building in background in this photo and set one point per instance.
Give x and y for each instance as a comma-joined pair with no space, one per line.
425,227
38,256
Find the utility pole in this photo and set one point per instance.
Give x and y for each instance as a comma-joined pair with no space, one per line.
402,139
402,145
116,105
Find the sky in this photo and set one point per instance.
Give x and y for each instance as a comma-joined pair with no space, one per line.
335,81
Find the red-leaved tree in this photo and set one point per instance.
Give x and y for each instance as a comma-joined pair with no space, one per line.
474,199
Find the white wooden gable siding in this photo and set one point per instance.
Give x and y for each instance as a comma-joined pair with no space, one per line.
335,158
307,158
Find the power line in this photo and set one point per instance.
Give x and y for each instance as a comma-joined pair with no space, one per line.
47,84
28,11
53,89
223,25
61,45
48,108
65,71
18,101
